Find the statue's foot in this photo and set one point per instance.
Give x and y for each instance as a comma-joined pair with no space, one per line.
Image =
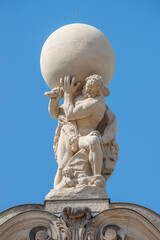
99,181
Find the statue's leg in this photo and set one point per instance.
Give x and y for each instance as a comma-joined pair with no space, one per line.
64,153
58,177
92,144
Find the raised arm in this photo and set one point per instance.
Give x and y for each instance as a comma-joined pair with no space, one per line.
80,111
69,87
54,109
55,95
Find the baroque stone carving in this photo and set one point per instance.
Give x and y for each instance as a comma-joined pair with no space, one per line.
104,232
40,233
63,231
79,224
78,70
74,223
77,219
112,232
85,145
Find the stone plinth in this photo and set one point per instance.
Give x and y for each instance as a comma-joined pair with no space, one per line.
96,205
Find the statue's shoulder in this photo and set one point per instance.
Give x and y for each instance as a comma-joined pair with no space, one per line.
78,99
85,101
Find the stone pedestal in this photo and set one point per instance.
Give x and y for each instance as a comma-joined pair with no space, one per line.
96,205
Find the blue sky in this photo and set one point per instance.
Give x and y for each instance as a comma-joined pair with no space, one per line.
27,163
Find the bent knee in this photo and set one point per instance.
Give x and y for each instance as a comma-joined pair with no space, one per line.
94,141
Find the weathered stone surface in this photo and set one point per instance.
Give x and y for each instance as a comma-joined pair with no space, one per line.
128,224
109,234
86,151
11,212
77,62
79,224
96,205
85,145
82,192
27,225
79,50
153,217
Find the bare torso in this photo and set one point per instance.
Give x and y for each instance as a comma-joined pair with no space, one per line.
89,123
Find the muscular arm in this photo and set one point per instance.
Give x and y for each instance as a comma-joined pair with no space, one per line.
54,108
80,111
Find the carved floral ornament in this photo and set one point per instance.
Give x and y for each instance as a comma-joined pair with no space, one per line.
79,224
73,226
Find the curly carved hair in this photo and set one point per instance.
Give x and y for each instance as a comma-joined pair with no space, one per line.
94,86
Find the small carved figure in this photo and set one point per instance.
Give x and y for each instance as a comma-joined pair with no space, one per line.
67,180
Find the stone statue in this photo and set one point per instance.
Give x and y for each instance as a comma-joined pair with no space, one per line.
85,146
77,63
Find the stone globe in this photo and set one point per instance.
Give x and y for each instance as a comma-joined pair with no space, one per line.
78,50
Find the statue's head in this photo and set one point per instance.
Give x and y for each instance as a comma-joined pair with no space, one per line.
94,86
68,172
